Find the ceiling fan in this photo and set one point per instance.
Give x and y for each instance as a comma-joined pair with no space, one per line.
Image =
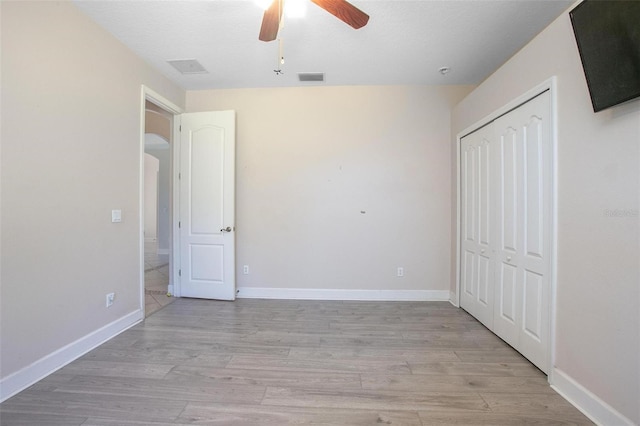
341,9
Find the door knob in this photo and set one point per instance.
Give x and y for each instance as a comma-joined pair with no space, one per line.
508,258
227,229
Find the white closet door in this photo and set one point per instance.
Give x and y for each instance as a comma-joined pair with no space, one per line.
524,197
478,224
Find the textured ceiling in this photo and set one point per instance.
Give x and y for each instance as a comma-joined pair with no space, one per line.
405,42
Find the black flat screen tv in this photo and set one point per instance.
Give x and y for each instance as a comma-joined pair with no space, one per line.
608,36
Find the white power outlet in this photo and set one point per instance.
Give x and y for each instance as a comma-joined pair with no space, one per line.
245,269
400,271
110,298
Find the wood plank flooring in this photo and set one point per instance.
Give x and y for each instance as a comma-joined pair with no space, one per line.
279,362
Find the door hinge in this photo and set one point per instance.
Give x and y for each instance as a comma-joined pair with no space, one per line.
180,128
179,176
179,272
179,224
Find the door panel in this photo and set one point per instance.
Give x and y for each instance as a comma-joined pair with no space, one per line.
468,274
206,262
205,162
508,190
485,281
507,291
533,187
469,153
525,196
532,321
469,173
477,225
207,186
484,202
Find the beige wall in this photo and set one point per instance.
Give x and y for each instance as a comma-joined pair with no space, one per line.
311,160
598,299
163,208
158,122
70,153
151,169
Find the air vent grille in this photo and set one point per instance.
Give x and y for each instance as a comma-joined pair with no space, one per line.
188,66
311,76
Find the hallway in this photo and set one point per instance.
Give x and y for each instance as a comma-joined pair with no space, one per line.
156,279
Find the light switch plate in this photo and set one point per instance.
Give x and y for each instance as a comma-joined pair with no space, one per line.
116,216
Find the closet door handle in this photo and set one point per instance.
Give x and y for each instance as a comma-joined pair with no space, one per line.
227,229
508,258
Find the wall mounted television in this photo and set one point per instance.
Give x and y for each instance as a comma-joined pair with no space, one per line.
608,36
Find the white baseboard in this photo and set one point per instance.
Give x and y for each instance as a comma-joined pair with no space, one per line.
340,294
40,369
584,400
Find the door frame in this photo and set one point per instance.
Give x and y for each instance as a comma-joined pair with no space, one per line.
148,94
551,86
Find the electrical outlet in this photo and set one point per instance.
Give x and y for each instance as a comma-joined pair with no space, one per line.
245,269
400,271
110,298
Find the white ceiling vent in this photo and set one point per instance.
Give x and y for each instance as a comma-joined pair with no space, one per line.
188,66
311,76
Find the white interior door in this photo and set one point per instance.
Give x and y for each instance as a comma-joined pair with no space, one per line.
207,205
524,194
478,224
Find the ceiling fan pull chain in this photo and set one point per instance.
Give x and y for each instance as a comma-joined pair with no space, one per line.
278,69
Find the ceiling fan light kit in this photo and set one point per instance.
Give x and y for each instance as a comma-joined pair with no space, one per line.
295,9
263,4
341,9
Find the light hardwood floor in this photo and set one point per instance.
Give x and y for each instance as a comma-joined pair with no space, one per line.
297,362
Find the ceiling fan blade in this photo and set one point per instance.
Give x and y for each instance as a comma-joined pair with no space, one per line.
271,21
344,11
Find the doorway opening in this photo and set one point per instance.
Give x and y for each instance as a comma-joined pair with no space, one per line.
157,160
156,202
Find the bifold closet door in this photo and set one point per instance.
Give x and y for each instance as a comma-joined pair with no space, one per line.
478,224
524,161
505,213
